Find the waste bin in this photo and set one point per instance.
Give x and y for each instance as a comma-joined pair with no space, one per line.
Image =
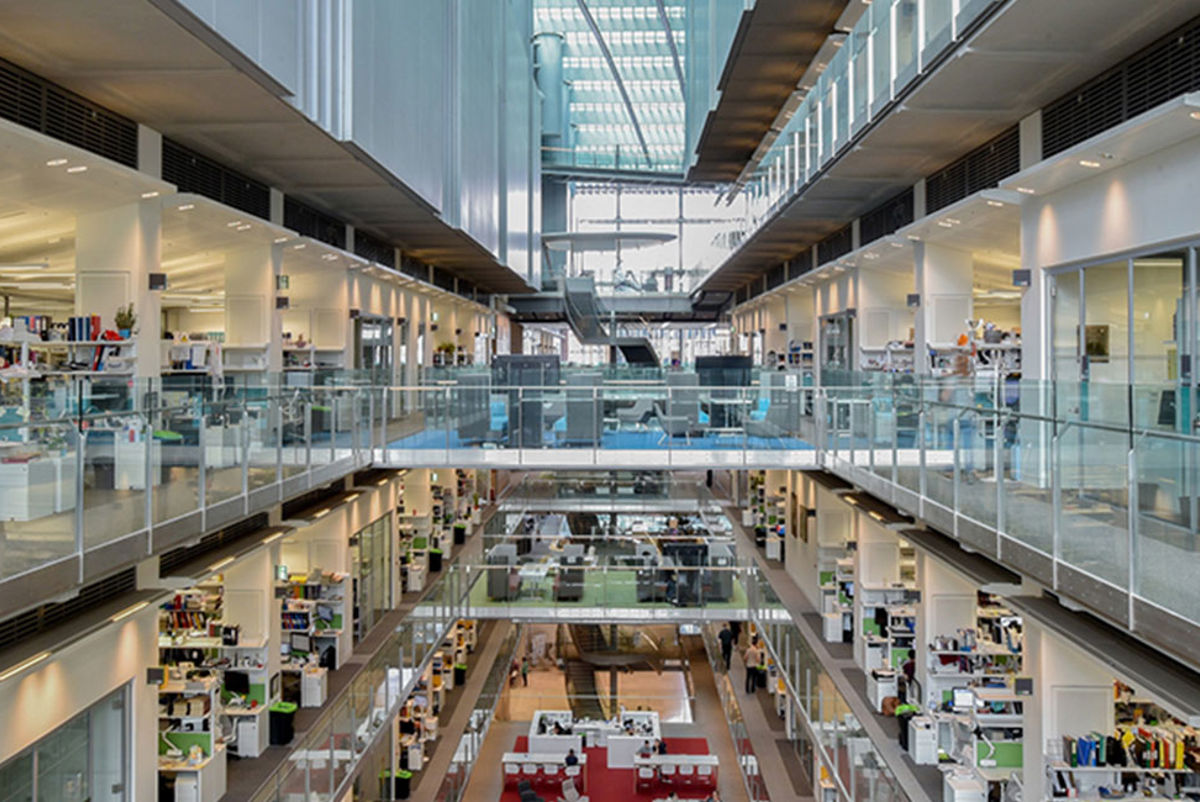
283,723
460,674
435,560
460,534
403,784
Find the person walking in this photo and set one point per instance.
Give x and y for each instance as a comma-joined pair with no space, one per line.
736,626
752,658
726,638
525,671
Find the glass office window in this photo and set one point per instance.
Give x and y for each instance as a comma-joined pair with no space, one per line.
827,116
84,759
1066,311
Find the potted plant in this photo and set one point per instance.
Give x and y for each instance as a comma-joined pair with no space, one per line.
125,320
476,511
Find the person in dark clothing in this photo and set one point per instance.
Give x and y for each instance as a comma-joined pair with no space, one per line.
736,626
662,746
571,759
726,638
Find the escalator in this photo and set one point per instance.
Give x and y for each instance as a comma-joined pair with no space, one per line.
584,316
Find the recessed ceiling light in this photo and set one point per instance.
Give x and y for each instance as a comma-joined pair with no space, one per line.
279,240
1026,191
1089,163
897,244
1195,115
24,664
56,162
301,246
233,224
150,194
953,221
79,168
945,224
995,203
187,207
329,257
244,227
914,238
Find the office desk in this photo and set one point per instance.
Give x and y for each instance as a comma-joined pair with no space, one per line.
540,759
203,782
622,748
253,731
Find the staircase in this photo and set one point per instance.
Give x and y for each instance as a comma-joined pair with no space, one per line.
582,692
584,315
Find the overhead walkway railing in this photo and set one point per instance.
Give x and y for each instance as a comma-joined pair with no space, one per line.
322,765
819,712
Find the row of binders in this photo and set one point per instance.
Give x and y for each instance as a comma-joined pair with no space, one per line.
1136,747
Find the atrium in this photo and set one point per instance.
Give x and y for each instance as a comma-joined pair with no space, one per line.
599,400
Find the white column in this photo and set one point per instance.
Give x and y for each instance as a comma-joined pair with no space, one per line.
116,250
948,604
250,314
944,281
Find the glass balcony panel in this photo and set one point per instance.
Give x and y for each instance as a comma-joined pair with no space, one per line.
1094,487
977,435
224,451
1028,499
881,53
1165,552
905,21
938,16
37,525
262,422
116,475
940,419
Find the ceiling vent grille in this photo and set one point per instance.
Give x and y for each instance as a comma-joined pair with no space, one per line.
413,267
36,103
375,249
192,172
887,218
982,168
1166,69
36,621
443,279
309,222
776,275
836,245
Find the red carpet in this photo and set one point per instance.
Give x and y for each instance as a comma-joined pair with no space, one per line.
614,785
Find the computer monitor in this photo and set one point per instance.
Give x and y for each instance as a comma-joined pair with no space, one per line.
324,613
285,649
237,683
1023,686
301,642
962,698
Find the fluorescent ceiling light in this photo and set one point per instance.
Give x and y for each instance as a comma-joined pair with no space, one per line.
150,194
995,203
24,664
26,266
79,168
321,513
56,162
219,564
273,538
1089,163
128,611
186,207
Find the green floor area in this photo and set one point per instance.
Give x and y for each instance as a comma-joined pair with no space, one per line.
612,589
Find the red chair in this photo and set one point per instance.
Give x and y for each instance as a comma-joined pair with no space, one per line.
647,778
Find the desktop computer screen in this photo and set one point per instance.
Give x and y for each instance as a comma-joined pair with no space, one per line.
962,698
301,642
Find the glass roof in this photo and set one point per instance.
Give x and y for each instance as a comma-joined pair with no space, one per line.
605,135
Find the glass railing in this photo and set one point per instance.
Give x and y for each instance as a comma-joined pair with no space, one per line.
1098,478
748,760
850,761
1083,482
623,592
327,756
875,63
453,787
